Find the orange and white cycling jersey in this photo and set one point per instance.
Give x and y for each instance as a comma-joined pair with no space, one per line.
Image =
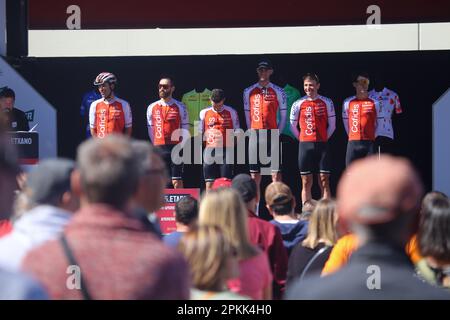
109,116
360,118
214,124
261,105
316,116
163,118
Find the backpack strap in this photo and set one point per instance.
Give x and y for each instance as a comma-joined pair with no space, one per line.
314,258
72,261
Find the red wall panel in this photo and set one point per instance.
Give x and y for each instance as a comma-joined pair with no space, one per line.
51,14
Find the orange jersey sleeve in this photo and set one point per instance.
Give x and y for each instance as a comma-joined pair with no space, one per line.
340,254
412,250
348,244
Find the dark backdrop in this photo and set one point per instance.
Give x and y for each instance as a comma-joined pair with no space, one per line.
418,77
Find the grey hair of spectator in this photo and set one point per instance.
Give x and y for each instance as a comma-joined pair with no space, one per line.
109,170
142,151
49,181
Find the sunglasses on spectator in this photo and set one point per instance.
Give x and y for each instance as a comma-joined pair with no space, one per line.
163,86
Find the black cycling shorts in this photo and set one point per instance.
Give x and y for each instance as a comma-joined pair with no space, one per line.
384,145
313,157
216,165
357,149
176,170
260,143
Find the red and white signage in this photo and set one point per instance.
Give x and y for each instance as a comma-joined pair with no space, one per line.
166,215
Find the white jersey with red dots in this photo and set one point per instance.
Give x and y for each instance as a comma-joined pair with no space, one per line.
389,101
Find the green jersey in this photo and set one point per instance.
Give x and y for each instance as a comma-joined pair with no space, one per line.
292,95
195,102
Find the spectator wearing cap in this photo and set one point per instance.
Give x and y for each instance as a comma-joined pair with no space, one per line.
51,204
118,256
383,214
15,119
281,204
14,286
217,125
262,102
263,234
186,214
221,183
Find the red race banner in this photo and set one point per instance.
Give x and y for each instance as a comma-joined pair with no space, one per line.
143,14
166,215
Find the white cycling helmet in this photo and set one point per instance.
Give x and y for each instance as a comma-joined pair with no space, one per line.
105,77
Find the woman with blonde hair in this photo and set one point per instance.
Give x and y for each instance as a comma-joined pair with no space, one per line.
212,261
311,254
224,208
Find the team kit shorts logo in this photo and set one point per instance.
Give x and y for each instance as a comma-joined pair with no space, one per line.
257,108
355,117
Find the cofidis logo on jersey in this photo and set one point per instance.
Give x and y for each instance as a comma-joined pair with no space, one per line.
102,124
257,107
158,122
355,117
309,120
